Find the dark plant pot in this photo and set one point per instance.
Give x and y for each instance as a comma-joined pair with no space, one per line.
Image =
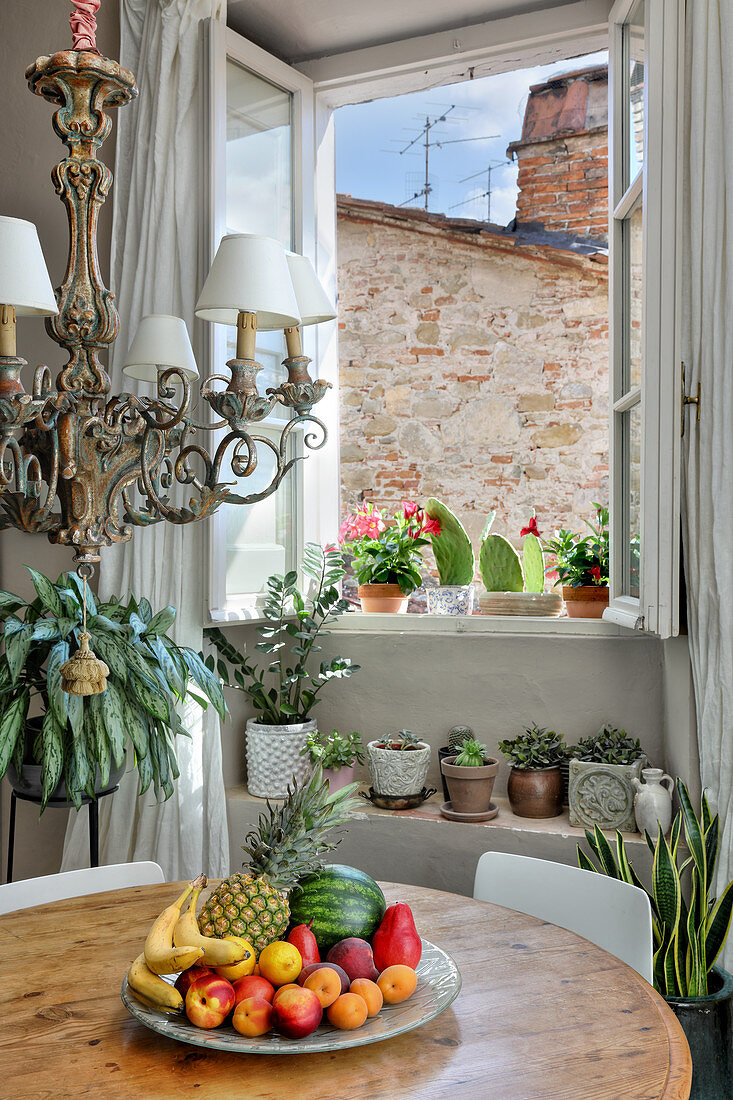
442,754
470,788
30,784
708,1024
565,773
535,792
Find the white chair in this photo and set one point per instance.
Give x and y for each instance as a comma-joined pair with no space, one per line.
75,884
612,914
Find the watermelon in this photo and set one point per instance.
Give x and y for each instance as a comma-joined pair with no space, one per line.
340,901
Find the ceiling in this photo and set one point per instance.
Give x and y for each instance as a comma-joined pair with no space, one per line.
299,30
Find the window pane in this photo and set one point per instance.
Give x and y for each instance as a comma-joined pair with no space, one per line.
259,537
634,54
631,496
633,296
258,156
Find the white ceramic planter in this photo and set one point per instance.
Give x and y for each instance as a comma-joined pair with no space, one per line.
397,772
273,757
450,599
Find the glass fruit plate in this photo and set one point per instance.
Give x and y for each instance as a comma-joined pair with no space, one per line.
438,985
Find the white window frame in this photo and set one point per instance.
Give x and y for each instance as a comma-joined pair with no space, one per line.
656,610
316,478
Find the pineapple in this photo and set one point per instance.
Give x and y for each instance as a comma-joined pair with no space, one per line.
284,847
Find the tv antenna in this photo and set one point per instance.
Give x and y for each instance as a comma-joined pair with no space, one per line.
485,194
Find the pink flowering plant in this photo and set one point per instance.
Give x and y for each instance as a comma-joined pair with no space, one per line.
388,552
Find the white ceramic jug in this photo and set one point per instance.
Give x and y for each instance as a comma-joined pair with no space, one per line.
653,802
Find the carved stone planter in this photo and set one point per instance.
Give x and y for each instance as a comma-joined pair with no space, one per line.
603,794
398,772
273,757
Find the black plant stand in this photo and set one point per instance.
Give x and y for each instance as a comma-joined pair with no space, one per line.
63,804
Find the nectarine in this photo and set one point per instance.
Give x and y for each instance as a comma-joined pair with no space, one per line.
325,983
253,1016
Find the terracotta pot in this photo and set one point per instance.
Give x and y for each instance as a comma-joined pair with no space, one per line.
470,788
535,792
588,601
383,598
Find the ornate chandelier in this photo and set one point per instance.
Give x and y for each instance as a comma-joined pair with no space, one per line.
87,467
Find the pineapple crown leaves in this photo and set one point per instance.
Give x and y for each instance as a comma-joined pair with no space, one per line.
285,688
290,837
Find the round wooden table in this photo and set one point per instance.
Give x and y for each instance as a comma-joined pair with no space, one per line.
542,1014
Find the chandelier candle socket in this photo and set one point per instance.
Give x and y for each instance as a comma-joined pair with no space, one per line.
86,466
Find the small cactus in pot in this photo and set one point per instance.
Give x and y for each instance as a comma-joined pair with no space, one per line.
471,775
455,562
456,737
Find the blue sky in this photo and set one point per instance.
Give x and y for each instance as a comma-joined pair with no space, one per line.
492,105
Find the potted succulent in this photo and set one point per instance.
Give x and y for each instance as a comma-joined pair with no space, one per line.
456,736
690,930
335,754
454,560
602,770
515,585
535,780
77,745
471,775
287,689
387,557
582,567
398,764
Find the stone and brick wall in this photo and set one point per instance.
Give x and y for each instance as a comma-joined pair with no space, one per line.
473,367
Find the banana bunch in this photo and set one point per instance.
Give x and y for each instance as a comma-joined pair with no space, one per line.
174,943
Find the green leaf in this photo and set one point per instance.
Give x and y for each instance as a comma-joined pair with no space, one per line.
97,745
136,726
45,630
17,647
9,601
75,712
52,764
718,925
693,835
109,648
47,592
153,701
533,564
145,771
584,862
605,854
205,680
168,667
12,725
136,664
109,721
162,622
667,891
57,697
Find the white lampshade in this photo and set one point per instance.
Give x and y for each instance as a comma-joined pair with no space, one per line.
313,303
160,341
24,281
249,273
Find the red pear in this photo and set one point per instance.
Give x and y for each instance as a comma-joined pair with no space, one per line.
302,938
396,941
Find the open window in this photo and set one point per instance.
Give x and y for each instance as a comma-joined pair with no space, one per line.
645,66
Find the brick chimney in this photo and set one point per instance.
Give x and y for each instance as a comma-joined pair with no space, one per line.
563,155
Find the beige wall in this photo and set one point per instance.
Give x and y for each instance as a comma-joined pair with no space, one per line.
30,28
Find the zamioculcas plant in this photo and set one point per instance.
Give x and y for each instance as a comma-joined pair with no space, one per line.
688,936
287,688
149,676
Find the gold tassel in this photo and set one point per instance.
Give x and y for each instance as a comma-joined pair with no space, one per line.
84,673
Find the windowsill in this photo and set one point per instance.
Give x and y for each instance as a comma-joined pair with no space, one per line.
359,622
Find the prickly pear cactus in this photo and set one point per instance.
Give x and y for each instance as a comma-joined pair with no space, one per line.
533,563
457,736
452,547
499,565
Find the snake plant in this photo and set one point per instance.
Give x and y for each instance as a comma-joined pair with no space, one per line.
690,926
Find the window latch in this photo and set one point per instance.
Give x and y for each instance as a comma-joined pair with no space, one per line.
688,401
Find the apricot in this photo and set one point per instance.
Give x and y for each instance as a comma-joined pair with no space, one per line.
347,1012
326,984
397,983
370,992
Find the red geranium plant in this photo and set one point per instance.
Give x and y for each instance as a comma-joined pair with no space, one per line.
388,552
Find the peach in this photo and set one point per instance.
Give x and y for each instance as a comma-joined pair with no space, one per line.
253,1016
312,967
371,994
209,1001
354,955
298,1013
186,978
347,1012
397,983
325,983
253,985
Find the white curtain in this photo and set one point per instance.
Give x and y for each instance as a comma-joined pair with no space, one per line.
157,268
708,459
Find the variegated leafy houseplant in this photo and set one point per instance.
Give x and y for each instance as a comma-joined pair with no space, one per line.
78,741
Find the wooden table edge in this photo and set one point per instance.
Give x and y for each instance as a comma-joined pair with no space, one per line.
679,1077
